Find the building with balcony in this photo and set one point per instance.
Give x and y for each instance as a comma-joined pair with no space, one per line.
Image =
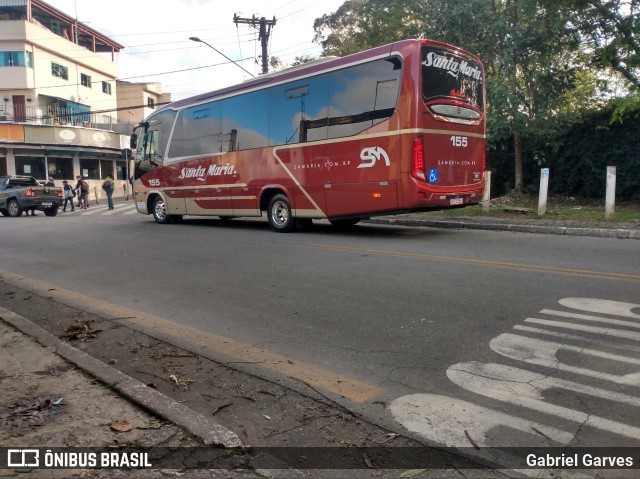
136,101
59,106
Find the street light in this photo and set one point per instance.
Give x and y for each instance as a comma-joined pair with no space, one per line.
196,39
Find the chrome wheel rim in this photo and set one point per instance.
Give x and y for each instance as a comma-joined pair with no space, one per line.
160,211
280,213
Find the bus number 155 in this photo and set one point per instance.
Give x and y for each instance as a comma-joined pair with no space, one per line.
460,141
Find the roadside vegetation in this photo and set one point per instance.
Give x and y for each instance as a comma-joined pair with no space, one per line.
559,207
562,78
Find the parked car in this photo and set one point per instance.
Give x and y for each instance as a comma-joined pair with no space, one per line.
24,193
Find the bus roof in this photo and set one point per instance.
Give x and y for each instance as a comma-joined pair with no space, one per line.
307,69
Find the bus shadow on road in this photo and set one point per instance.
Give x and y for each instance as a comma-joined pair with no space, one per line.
321,227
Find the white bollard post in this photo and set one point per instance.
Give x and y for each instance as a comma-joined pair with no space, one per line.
610,200
486,196
544,189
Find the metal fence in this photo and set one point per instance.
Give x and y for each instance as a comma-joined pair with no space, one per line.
54,115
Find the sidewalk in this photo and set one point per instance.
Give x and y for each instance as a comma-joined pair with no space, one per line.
48,401
517,223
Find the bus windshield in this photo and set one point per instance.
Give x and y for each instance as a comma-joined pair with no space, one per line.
454,78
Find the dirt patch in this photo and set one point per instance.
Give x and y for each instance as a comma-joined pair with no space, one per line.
262,413
31,412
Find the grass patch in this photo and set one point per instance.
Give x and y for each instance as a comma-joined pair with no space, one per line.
624,213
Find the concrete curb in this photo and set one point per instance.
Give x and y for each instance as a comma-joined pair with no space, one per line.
207,430
540,229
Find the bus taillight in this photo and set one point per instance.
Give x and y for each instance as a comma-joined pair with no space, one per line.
417,170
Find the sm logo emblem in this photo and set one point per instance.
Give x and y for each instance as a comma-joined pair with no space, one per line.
370,156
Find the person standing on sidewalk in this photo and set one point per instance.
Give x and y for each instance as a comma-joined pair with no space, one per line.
108,186
69,195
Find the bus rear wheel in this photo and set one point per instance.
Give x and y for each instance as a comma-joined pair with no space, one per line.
280,215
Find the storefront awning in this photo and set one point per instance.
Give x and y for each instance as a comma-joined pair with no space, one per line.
61,151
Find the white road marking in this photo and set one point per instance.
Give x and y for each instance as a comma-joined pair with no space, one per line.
586,317
544,353
511,385
453,422
575,337
610,332
602,306
117,209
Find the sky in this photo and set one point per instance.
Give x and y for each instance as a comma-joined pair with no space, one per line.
156,34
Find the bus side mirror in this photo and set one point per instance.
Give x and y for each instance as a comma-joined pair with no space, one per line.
133,142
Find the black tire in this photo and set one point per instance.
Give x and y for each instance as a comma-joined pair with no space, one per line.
13,207
280,215
344,224
4,212
53,211
159,211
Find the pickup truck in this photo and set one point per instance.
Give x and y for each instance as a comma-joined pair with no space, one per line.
24,193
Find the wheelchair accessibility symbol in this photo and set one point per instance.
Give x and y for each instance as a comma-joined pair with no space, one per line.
433,175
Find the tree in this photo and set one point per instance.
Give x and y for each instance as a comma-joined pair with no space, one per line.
362,24
611,33
523,44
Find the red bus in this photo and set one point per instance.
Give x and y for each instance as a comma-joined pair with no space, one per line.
390,130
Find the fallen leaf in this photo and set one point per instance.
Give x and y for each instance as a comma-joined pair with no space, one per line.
121,426
220,408
267,417
368,461
412,472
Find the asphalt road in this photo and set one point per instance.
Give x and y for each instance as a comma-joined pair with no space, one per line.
464,337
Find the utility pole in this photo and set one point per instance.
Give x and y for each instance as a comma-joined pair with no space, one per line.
265,31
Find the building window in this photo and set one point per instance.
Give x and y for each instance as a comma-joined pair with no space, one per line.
85,80
31,166
59,71
60,168
90,168
16,59
151,103
106,169
106,87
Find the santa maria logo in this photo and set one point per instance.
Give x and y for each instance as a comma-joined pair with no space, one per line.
452,66
201,173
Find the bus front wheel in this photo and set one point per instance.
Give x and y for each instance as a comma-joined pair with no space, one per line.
279,214
159,211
